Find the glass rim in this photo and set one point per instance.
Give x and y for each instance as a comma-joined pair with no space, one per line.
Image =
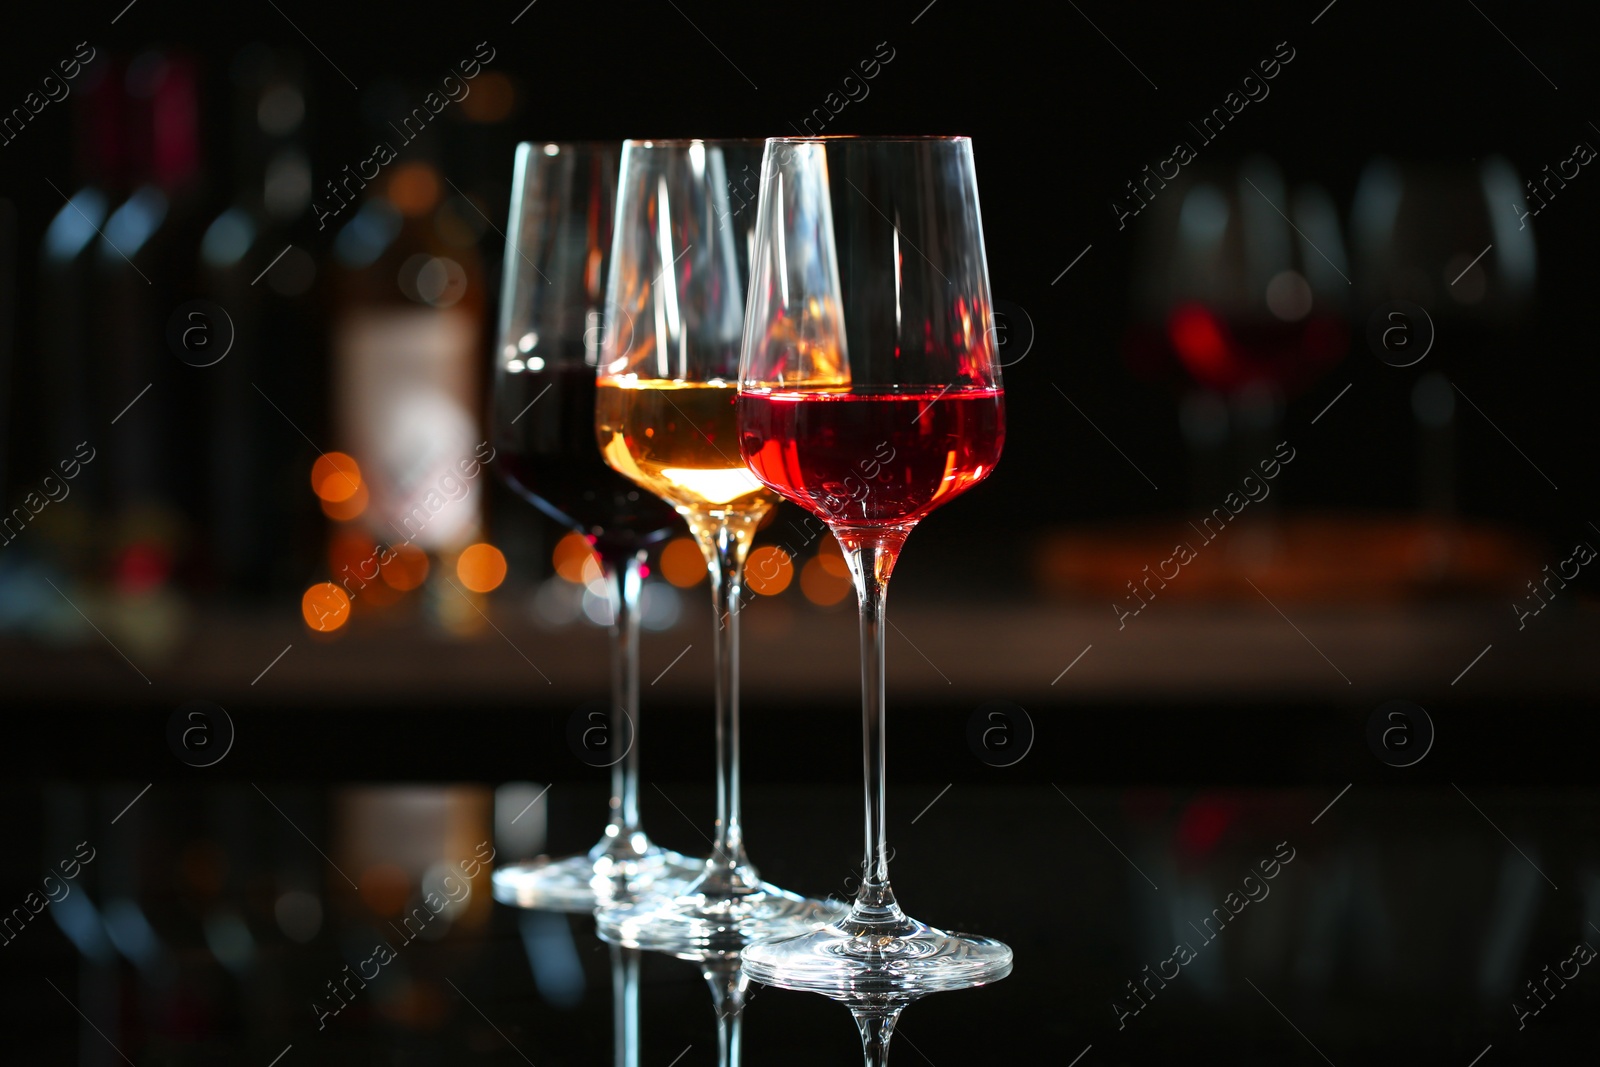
950,138
585,144
687,142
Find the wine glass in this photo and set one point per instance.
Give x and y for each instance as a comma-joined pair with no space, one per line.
1455,241
664,416
869,394
1243,287
543,425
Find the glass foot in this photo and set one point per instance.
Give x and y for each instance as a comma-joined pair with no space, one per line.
692,925
897,959
583,883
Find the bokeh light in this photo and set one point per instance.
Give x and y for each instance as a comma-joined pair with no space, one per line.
414,188
769,571
491,100
141,567
820,586
832,557
572,554
405,568
335,477
345,510
660,606
299,915
682,563
325,607
481,567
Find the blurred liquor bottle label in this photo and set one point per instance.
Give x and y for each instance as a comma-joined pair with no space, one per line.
407,409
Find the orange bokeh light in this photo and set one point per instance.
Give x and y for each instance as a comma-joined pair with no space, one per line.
345,510
768,571
325,607
414,188
571,553
481,567
405,569
820,586
682,563
831,556
335,477
491,100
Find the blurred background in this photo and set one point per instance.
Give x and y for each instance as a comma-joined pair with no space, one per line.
1294,309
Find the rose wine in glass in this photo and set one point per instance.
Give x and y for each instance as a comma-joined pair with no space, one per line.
869,394
873,458
543,425
665,419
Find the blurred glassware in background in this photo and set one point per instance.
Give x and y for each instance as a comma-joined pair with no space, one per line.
1422,233
1452,240
1243,288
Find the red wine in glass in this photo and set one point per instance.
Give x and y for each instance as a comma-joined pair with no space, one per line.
1225,352
545,444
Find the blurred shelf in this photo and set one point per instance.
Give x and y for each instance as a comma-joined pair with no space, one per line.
1174,651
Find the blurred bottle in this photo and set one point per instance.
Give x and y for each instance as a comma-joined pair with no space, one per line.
8,317
73,396
406,337
255,265
155,454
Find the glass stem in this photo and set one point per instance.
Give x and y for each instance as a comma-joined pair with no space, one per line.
877,1027
871,555
725,540
728,985
622,576
625,1005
